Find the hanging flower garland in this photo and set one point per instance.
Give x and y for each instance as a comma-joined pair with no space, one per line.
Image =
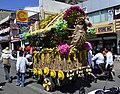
63,48
61,27
72,15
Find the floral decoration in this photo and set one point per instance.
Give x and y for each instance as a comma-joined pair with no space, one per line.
87,46
61,26
68,11
72,15
91,31
63,48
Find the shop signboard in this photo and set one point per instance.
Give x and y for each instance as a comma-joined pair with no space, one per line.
117,11
104,29
22,16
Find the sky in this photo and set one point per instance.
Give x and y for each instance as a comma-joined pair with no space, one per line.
17,4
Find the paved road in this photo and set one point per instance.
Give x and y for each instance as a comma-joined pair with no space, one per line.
33,88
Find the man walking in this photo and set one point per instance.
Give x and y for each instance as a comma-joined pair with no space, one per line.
21,69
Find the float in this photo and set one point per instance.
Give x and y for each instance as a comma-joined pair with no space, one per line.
59,48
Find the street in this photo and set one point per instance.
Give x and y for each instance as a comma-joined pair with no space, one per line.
31,86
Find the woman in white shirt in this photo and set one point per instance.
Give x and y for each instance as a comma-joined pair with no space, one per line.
99,60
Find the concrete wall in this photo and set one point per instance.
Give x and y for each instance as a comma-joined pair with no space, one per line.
48,6
51,7
32,10
94,5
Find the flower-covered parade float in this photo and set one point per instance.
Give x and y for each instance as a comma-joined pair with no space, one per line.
59,54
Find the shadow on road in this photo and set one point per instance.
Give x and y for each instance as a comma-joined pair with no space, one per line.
74,86
26,77
2,83
1,89
119,76
29,82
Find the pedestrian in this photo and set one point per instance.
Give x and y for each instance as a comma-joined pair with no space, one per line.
5,57
90,58
99,61
109,62
104,53
109,58
87,46
21,69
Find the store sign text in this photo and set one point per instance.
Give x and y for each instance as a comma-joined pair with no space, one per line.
105,29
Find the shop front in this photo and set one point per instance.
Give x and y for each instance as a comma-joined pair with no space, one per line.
4,41
15,43
105,37
103,41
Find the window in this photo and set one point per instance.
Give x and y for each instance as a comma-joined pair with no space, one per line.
104,15
90,18
99,16
96,17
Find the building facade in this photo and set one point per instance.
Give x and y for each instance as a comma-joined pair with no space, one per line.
105,16
51,7
5,16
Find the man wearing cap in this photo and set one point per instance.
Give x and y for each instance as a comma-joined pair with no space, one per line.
5,57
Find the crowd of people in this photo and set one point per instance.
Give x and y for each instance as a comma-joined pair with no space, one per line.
21,63
102,61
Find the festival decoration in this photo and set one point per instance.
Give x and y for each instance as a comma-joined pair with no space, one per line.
87,46
28,48
63,48
91,31
45,22
53,73
24,35
72,15
40,71
61,27
35,71
46,70
61,75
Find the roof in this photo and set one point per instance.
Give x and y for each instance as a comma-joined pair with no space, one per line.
5,19
5,30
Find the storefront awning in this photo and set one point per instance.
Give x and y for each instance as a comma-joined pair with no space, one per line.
4,20
5,30
4,38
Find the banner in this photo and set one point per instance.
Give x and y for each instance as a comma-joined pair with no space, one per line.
110,16
21,16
